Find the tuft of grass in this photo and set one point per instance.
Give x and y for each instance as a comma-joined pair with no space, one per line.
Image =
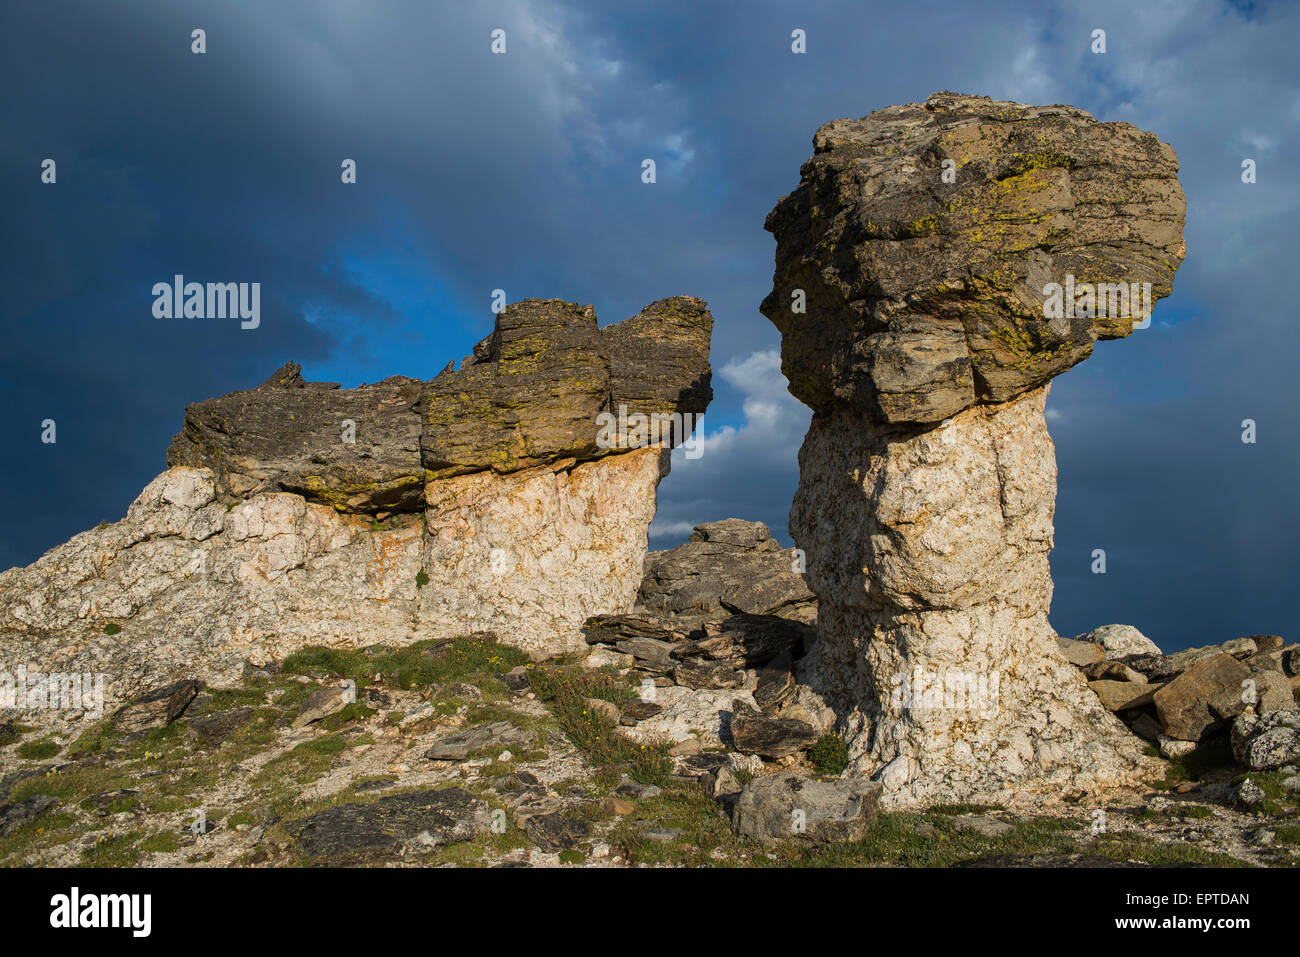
37,750
473,659
161,843
563,690
830,755
118,851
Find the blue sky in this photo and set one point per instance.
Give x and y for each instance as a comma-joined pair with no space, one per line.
522,171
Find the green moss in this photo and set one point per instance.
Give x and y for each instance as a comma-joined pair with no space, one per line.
38,750
112,629
161,843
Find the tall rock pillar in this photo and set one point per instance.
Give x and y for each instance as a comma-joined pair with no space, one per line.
937,266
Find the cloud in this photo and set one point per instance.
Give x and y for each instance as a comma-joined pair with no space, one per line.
748,470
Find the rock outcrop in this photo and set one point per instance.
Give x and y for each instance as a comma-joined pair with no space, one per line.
937,266
513,495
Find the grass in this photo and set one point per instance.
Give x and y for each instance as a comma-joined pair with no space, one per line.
424,663
38,750
564,690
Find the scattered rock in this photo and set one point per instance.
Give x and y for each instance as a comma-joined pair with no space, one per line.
838,810
1080,653
1202,698
556,832
699,673
1122,695
636,710
776,683
1121,640
321,704
753,732
498,734
350,834
217,727
983,824
1247,794
1268,741
20,813
606,710
155,709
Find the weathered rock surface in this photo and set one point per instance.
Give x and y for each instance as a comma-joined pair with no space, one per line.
925,297
528,396
1120,640
1203,698
392,827
927,478
156,709
780,806
727,567
1267,741
497,735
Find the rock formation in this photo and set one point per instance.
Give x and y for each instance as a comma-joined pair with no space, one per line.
513,495
938,264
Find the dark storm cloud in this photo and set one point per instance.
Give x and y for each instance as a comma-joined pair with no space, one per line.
522,172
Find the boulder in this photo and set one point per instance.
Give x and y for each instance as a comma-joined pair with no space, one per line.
403,824
155,709
321,704
1202,698
777,807
753,732
729,566
1121,640
1080,653
1122,695
1266,741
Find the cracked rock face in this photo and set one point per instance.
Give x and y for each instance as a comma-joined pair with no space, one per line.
480,501
928,478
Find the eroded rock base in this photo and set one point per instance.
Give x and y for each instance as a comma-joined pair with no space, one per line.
929,554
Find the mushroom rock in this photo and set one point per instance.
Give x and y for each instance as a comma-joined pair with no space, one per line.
938,264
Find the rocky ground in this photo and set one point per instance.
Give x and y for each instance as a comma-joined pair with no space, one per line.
673,741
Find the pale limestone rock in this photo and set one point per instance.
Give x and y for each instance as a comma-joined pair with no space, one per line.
533,554
197,589
689,714
929,555
1121,640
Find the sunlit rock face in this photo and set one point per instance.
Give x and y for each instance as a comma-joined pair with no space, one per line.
943,254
